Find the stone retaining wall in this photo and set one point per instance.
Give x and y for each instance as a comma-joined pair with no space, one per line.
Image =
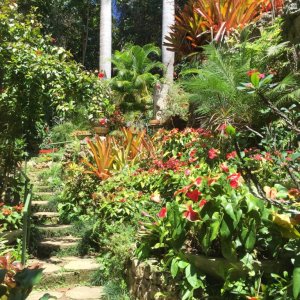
147,282
291,18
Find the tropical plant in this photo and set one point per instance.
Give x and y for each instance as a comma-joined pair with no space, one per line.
215,87
203,21
39,83
102,156
134,81
16,280
116,153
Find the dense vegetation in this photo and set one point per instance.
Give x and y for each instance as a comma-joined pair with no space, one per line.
213,205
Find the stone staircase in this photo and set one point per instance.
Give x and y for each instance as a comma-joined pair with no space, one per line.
50,239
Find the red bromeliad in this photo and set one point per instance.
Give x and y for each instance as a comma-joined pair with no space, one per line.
190,214
193,195
212,153
163,213
234,180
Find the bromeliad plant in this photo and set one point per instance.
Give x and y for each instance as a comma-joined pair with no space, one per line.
116,153
203,21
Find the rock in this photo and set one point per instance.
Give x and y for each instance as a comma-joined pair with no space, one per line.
36,295
84,292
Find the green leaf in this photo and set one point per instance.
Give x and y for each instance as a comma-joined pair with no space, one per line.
296,278
183,264
248,235
228,249
174,267
191,276
230,130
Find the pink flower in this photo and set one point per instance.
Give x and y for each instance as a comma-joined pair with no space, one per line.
222,127
234,180
261,76
187,172
162,213
202,202
257,157
224,167
155,198
212,153
193,195
231,155
190,214
145,214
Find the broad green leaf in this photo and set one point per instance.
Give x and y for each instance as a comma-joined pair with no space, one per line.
296,278
174,267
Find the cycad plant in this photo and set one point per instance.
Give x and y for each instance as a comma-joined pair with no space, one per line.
135,75
214,87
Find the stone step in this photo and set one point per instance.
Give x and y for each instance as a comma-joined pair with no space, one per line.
71,293
60,242
50,246
40,203
53,230
42,188
45,217
45,214
68,270
43,194
44,205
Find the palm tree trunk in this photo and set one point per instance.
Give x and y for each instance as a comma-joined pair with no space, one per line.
105,37
167,21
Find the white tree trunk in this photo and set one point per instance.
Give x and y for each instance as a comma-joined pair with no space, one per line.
105,37
168,20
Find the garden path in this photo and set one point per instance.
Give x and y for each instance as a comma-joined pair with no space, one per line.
54,245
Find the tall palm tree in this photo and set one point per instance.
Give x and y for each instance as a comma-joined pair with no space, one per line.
168,20
105,37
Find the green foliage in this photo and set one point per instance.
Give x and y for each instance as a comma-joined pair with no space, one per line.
215,87
38,81
134,81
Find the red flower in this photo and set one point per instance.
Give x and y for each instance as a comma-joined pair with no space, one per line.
101,75
198,181
224,167
202,202
193,153
162,213
234,180
103,121
190,214
231,155
212,153
194,195
122,200
251,72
